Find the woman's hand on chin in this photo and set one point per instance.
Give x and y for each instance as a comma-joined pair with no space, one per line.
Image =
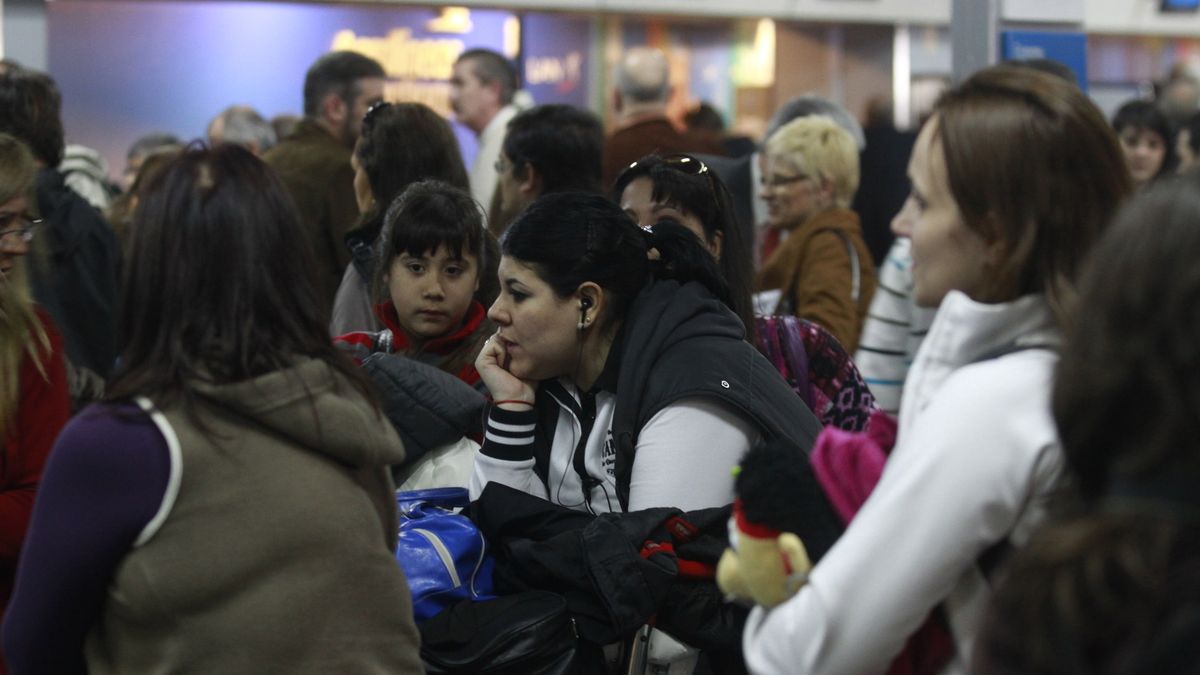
516,394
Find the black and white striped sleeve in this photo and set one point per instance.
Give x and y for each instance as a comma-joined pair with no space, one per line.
509,434
506,455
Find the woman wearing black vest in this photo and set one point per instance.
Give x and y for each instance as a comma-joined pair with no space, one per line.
621,380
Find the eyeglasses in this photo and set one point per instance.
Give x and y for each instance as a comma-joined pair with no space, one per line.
26,226
784,181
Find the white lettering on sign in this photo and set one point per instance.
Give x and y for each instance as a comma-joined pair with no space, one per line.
403,57
554,69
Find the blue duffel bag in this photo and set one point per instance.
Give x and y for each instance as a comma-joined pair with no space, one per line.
442,553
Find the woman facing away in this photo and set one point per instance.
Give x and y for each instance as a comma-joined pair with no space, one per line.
620,382
386,160
34,403
1014,178
823,270
248,520
1113,586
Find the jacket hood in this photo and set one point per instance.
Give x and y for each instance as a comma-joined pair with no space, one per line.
314,406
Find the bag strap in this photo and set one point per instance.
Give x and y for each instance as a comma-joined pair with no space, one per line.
785,305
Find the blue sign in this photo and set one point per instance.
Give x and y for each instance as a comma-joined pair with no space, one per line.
555,58
1069,49
130,67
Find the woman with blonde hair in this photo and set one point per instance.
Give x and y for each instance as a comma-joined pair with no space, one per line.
823,270
1014,178
33,384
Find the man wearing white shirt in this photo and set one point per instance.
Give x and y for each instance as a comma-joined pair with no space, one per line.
482,86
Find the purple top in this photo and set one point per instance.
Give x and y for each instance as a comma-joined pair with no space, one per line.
103,483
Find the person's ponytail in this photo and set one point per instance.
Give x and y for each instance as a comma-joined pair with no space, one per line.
681,256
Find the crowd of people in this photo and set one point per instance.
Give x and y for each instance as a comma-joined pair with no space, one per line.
201,455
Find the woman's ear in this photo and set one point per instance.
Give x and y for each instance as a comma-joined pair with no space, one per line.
825,187
591,302
716,244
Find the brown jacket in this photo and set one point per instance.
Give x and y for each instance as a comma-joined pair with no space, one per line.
649,135
316,169
813,264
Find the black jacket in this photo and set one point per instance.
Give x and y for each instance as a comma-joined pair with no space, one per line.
617,571
678,341
77,282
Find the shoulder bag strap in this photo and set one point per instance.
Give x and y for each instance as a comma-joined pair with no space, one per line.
785,305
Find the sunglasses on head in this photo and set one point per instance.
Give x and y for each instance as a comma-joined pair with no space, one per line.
680,162
373,112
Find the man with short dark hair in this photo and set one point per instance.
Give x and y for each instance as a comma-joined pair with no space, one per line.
314,162
549,148
482,86
77,281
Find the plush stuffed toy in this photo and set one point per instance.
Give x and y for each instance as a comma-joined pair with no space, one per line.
779,507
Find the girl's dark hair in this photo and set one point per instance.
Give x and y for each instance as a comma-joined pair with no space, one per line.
573,237
704,195
219,286
403,143
1147,116
1031,164
427,215
1101,594
1127,392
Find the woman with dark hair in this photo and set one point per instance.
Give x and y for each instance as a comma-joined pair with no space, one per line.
33,382
1114,585
1147,141
1014,178
247,521
621,383
682,188
401,143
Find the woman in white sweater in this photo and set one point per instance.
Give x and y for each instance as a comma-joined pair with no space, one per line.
1014,178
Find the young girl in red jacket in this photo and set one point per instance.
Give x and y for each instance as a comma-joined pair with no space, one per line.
433,258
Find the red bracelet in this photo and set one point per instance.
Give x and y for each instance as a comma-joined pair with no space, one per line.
513,401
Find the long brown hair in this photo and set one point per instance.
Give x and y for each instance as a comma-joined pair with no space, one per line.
1033,164
21,333
219,287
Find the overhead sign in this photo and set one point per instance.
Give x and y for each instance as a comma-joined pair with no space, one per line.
1069,49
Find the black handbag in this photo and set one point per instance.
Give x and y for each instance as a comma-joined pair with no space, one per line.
527,633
